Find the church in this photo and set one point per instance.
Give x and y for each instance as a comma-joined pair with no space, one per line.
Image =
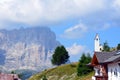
106,64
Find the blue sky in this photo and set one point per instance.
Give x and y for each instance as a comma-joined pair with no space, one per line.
75,22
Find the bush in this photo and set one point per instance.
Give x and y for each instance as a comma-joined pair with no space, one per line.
44,78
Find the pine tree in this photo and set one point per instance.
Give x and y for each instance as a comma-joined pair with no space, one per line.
60,56
82,68
106,47
118,46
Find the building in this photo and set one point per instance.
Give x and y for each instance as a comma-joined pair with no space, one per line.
98,47
4,76
106,64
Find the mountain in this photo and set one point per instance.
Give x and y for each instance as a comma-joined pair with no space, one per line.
64,72
27,48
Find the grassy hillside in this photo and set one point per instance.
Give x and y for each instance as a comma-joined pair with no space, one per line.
64,72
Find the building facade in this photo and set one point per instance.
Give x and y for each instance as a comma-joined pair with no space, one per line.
106,64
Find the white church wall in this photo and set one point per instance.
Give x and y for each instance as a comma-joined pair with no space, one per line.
114,71
98,47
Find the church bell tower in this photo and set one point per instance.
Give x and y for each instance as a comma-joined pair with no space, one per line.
97,46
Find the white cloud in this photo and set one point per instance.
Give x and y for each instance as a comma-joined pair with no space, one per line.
23,11
80,26
76,31
101,27
116,10
62,9
79,30
116,4
76,49
46,11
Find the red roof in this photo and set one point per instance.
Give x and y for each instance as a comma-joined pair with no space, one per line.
8,76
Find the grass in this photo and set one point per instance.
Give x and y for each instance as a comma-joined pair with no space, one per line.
63,72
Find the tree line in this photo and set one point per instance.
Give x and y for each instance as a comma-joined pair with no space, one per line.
107,48
61,56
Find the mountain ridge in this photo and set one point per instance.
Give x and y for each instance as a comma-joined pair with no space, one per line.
27,48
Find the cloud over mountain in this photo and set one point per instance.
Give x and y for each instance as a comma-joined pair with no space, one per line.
45,12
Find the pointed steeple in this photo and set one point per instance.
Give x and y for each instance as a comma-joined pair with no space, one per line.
97,46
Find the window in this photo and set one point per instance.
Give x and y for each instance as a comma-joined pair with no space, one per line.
115,72
98,71
119,64
97,39
111,72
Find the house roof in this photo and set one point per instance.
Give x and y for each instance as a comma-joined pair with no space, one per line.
102,56
113,58
4,76
105,57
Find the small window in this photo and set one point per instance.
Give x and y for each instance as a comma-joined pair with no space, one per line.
119,64
115,72
111,71
98,71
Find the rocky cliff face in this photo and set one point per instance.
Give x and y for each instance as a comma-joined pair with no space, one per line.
27,48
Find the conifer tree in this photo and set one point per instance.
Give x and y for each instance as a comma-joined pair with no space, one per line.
60,56
106,47
82,68
118,46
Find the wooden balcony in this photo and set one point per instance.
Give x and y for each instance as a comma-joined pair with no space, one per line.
101,77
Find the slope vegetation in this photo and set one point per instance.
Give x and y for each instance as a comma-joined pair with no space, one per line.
64,72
